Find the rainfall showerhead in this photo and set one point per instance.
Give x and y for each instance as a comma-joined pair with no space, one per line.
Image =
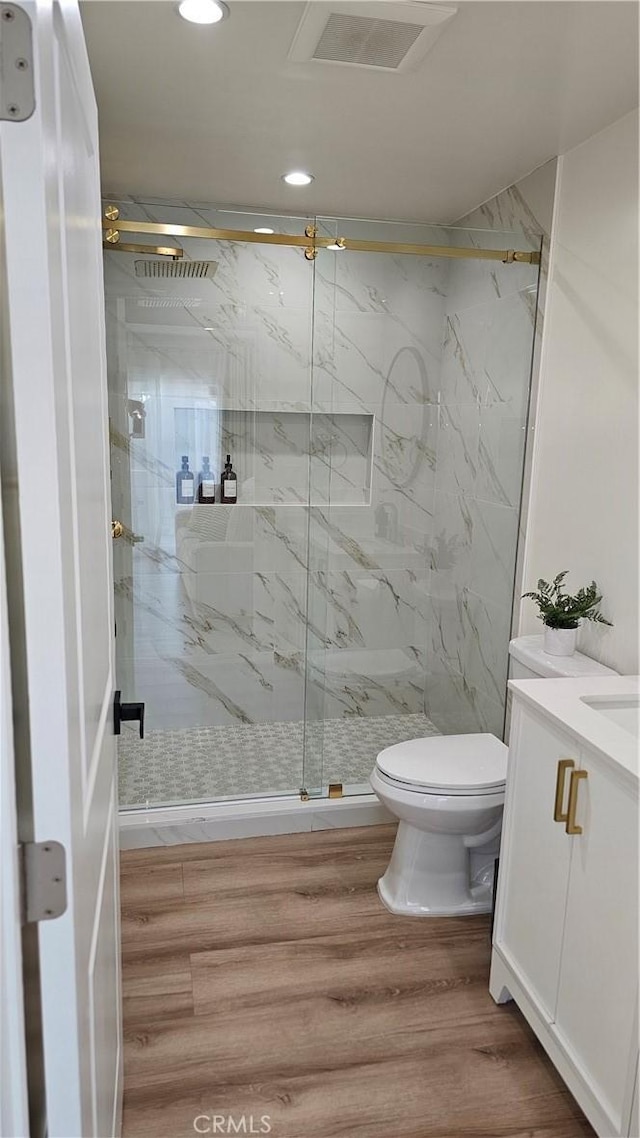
176,269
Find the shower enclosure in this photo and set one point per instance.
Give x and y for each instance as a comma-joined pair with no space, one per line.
374,405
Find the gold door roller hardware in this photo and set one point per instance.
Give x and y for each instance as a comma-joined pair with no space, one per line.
310,242
112,238
311,252
117,529
572,827
563,766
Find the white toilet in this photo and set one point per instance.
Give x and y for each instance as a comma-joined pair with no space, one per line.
448,793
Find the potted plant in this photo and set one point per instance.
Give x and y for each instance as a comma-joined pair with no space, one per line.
562,613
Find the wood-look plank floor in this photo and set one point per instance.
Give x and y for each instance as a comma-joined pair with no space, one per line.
263,977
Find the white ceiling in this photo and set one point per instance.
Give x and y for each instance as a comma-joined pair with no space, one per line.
217,114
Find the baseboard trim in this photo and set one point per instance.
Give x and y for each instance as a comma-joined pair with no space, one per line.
177,825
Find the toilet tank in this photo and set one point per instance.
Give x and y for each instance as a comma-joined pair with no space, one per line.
529,661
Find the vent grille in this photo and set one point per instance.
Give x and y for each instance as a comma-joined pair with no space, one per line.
176,269
365,41
377,34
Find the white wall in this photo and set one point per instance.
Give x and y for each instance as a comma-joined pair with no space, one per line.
583,512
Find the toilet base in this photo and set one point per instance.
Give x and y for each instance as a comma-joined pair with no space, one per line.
429,876
464,909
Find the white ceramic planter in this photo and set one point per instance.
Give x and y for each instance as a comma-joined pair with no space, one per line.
560,641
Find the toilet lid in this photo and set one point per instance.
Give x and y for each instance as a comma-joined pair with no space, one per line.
470,764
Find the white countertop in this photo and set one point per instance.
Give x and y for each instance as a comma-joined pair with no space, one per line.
562,700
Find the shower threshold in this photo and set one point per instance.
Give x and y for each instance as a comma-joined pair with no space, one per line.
246,818
210,783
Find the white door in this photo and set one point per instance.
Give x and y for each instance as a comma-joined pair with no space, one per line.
535,856
14,1115
598,988
50,184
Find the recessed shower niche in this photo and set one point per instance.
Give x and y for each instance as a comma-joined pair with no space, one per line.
271,451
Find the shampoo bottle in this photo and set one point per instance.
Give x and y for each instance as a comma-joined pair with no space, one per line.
206,483
229,483
185,488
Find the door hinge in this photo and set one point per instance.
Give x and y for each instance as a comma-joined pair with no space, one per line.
17,89
44,881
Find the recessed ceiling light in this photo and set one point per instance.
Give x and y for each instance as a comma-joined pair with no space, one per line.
297,178
263,229
203,11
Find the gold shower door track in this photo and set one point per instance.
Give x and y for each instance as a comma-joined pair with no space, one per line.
310,242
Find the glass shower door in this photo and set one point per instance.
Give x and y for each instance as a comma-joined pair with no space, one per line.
421,371
377,331
209,356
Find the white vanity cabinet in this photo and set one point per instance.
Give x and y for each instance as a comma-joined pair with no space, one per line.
566,928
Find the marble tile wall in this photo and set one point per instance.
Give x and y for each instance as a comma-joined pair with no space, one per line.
490,357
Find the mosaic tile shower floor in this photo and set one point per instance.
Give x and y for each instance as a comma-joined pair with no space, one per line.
208,763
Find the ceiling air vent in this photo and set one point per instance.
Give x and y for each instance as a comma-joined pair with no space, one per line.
371,43
384,36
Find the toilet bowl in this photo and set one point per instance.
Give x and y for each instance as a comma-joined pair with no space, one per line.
448,793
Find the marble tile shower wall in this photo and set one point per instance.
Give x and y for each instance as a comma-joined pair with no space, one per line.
490,316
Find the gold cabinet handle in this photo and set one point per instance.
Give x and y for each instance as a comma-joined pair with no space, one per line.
572,827
563,766
117,529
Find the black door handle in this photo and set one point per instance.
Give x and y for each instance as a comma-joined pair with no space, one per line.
126,711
